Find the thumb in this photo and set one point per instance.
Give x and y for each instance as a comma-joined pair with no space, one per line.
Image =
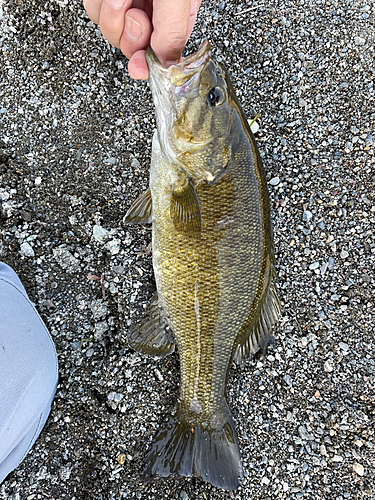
171,24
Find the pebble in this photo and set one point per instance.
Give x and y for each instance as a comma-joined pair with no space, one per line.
288,380
324,268
4,195
331,263
328,367
307,215
274,181
98,308
115,396
100,329
344,254
303,433
358,40
135,163
254,127
110,161
113,246
369,140
27,250
66,260
344,346
359,469
100,234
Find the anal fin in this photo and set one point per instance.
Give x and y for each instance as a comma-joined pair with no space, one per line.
141,210
152,335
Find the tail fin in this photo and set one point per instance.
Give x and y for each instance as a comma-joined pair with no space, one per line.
183,449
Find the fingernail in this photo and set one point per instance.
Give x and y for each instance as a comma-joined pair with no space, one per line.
133,29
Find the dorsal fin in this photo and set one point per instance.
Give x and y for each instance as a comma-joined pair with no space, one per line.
257,334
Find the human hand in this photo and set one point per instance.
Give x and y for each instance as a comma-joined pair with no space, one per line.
133,25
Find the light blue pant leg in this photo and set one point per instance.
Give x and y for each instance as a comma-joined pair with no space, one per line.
28,372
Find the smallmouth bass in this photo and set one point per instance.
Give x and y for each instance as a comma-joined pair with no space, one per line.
213,261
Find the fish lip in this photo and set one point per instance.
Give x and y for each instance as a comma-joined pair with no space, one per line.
183,70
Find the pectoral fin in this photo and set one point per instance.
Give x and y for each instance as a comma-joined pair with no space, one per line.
152,335
141,210
185,210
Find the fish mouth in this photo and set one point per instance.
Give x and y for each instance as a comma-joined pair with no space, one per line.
180,73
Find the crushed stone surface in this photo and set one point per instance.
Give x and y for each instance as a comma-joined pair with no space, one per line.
75,145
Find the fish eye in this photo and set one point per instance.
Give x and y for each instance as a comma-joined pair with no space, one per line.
215,97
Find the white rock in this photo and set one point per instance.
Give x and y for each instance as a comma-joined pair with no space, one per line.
113,246
100,234
274,181
4,196
27,250
66,260
328,367
254,127
135,163
359,469
359,40
307,215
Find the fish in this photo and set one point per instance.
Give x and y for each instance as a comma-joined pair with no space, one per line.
213,260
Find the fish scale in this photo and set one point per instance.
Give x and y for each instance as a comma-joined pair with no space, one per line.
212,258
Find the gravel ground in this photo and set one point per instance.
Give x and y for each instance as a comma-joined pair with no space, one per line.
75,139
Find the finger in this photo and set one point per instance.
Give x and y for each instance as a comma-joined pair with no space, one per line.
137,66
137,32
112,19
194,7
170,20
145,5
92,7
